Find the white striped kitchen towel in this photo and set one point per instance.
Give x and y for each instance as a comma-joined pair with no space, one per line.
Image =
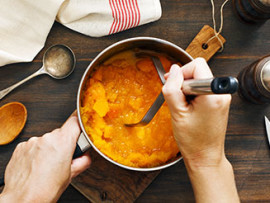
25,24
104,17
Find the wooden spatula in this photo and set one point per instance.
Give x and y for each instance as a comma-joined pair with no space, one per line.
12,120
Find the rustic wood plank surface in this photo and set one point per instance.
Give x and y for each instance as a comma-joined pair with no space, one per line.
104,181
50,102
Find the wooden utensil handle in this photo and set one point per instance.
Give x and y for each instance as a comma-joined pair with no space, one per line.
198,46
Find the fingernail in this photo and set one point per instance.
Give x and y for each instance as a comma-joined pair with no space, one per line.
174,69
166,74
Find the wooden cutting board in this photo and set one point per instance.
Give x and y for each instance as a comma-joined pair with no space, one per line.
106,182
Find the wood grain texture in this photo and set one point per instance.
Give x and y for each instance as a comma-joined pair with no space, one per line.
105,182
49,102
199,46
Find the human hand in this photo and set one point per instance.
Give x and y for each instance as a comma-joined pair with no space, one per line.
42,168
199,125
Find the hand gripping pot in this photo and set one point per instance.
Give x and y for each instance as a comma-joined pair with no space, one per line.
149,43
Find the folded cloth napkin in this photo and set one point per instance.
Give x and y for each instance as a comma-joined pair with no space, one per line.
25,24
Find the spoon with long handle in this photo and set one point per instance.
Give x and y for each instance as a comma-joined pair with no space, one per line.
58,62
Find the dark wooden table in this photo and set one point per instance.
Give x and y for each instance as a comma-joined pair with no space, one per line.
50,102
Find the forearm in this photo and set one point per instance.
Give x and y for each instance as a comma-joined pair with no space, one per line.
213,183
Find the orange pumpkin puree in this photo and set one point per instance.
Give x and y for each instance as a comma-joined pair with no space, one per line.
120,91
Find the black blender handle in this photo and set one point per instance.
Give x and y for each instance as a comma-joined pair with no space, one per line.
224,85
218,85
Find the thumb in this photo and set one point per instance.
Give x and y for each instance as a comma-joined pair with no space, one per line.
71,129
173,95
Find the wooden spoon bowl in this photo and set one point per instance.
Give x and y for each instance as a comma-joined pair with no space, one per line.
12,120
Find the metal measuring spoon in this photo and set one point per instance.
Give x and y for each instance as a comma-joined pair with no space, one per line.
58,62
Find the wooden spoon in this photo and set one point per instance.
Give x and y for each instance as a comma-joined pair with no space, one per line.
12,120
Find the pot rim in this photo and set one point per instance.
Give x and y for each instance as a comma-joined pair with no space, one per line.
153,39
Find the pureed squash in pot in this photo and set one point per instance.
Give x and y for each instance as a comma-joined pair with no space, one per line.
120,91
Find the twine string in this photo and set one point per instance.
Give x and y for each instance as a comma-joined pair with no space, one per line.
214,23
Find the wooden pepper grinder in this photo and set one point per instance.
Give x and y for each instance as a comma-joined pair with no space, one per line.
252,11
254,81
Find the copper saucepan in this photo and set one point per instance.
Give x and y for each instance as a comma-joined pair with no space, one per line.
150,43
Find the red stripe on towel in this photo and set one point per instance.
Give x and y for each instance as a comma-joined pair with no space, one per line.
129,17
113,15
132,15
119,16
125,13
138,13
134,12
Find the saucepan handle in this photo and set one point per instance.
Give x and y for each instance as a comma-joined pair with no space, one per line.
2,181
81,146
